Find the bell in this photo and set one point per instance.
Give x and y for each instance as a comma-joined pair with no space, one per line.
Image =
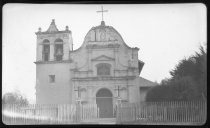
46,50
59,52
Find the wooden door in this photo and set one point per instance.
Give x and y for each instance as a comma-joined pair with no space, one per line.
104,102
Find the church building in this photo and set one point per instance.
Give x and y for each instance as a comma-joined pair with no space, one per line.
103,71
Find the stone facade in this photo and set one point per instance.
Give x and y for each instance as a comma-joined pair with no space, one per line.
104,63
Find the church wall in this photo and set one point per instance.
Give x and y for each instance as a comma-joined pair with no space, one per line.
38,52
79,57
143,93
58,92
107,52
129,93
134,95
125,55
92,88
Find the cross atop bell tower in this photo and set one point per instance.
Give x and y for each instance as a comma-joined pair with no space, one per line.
102,11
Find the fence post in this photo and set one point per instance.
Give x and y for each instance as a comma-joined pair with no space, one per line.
164,112
134,112
193,117
205,111
200,109
176,112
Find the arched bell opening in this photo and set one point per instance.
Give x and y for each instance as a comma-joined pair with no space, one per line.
46,50
58,49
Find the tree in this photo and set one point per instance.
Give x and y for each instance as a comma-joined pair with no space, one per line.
188,80
11,98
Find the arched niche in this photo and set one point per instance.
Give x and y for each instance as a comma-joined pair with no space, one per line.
103,69
58,49
46,50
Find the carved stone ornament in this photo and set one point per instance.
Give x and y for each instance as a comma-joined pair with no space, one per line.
102,35
88,37
65,35
51,35
40,37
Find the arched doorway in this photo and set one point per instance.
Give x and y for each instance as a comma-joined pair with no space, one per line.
104,103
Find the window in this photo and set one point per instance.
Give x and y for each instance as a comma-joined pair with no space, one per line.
103,69
51,78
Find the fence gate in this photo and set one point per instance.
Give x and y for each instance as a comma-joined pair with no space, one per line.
89,112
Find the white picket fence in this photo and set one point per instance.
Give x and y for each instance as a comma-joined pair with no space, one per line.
157,113
163,113
49,114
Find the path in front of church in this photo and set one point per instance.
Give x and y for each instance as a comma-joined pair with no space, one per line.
100,121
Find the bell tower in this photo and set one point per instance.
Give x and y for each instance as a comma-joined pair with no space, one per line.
53,45
52,65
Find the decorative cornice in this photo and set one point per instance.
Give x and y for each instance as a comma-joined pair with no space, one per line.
76,70
53,62
103,56
108,41
103,78
132,68
96,46
117,70
55,32
53,29
146,87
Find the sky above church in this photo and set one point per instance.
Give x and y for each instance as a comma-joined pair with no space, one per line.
165,34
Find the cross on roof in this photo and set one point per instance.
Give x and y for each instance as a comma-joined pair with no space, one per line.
102,11
78,89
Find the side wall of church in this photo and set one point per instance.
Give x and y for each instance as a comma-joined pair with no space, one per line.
134,93
59,92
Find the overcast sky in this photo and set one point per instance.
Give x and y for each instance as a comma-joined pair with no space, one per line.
165,34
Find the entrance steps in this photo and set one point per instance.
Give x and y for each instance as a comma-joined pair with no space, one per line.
100,121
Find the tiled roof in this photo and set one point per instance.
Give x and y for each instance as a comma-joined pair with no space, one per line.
145,83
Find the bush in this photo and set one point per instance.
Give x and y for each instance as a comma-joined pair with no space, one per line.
188,81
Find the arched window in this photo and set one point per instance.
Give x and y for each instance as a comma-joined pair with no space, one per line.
46,50
103,69
58,49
